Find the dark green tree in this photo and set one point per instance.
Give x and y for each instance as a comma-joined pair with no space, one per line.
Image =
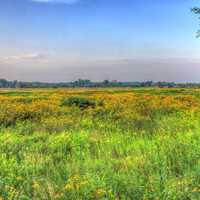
196,10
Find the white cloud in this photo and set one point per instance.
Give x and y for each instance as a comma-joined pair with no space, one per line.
25,57
56,1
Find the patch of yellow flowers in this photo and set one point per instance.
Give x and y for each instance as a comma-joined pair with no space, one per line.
46,103
35,185
76,183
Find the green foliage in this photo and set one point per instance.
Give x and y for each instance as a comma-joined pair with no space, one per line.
79,102
196,10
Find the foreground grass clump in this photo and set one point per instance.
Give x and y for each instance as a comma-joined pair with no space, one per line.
109,144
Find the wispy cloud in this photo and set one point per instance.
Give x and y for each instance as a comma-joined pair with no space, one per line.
56,1
25,57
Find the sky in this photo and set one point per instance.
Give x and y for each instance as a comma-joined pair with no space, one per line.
124,40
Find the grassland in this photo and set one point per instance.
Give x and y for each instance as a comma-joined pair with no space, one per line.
107,144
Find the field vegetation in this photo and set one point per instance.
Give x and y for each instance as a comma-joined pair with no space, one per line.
101,144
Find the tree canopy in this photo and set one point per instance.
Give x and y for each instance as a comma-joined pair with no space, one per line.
196,10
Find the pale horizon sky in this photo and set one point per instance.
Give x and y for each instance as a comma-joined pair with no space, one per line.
125,40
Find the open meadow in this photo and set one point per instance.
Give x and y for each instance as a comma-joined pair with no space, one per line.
101,144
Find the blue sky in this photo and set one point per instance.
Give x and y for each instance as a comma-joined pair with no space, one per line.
62,40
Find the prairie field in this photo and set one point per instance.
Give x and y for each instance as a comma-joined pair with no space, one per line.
101,144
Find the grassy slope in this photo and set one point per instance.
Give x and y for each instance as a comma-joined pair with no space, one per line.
134,144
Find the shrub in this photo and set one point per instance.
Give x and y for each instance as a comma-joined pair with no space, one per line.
79,102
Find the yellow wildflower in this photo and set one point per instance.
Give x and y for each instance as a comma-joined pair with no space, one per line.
99,192
19,178
69,187
35,185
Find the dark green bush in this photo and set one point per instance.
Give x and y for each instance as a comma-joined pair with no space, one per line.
79,102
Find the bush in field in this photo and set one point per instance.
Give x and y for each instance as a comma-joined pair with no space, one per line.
79,102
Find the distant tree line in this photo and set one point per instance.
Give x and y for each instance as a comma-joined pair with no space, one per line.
87,83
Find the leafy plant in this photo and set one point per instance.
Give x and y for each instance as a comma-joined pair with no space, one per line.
79,102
